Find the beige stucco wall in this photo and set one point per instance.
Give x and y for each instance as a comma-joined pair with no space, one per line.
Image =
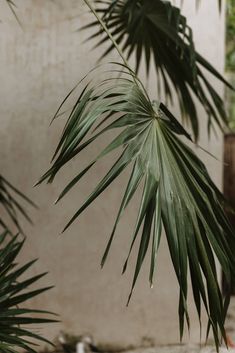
38,66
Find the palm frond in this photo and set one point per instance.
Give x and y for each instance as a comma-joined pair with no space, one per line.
157,30
14,292
177,191
11,202
12,7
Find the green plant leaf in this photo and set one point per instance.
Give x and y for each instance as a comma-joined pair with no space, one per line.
157,30
11,202
177,191
14,292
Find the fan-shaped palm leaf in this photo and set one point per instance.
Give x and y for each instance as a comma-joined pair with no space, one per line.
157,29
14,292
176,188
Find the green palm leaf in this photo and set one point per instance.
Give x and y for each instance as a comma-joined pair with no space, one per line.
11,202
13,7
157,30
177,191
14,292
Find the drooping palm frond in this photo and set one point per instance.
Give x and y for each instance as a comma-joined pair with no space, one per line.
11,206
15,317
177,191
14,292
157,30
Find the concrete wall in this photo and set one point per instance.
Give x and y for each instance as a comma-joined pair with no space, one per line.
39,64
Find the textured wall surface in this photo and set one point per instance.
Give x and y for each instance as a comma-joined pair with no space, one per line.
39,64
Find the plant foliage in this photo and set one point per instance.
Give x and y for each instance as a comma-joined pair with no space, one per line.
11,206
230,60
12,7
157,30
230,36
177,191
14,292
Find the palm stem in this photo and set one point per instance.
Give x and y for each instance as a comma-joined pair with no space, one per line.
108,33
105,28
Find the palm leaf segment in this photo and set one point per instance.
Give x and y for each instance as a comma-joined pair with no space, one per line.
14,292
158,30
14,318
176,188
11,203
